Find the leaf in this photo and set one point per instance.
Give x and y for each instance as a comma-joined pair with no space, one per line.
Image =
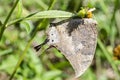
19,9
6,63
51,74
4,52
26,25
51,14
44,14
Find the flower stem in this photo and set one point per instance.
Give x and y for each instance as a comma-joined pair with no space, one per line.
7,18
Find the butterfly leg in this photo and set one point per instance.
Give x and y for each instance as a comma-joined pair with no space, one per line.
51,46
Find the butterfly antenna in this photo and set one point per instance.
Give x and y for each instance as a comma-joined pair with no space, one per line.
37,48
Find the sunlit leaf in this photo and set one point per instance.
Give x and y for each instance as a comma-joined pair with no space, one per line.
51,14
19,9
51,74
4,52
26,25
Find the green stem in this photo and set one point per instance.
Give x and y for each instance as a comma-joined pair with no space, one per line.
25,50
6,20
21,59
51,5
109,58
20,19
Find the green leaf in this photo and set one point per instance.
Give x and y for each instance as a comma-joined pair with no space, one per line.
26,25
51,74
51,14
6,63
19,9
4,52
82,13
44,14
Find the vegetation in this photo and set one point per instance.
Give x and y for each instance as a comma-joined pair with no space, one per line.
23,24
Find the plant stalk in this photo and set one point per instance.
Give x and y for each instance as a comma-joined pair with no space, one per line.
7,18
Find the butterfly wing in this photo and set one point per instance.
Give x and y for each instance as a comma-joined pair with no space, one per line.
76,39
84,39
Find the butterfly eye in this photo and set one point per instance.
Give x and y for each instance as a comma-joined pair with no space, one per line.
53,36
52,40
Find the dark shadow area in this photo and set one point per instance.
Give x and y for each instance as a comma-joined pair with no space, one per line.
73,24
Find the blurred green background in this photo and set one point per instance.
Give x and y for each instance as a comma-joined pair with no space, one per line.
19,39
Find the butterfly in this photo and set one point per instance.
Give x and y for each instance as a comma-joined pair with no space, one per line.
76,38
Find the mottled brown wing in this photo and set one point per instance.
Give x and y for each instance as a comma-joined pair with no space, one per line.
78,39
84,39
